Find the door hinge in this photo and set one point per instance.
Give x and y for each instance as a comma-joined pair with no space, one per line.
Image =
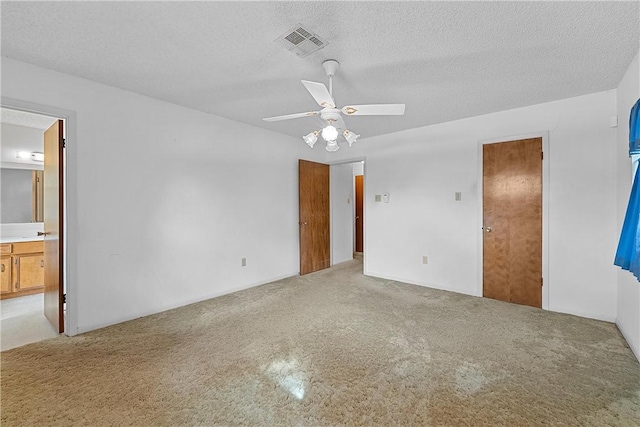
541,281
64,143
542,155
64,298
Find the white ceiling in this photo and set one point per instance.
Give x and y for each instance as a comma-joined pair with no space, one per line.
25,119
444,60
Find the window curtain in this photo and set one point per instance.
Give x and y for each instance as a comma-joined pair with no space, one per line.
628,254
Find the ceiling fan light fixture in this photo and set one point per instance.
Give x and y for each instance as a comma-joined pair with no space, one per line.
351,137
330,134
332,146
311,138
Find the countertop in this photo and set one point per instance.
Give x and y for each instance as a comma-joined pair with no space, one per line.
17,239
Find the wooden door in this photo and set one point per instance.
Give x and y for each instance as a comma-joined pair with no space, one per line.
512,221
53,215
313,193
359,213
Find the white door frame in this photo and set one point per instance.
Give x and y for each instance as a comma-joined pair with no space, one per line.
70,162
545,208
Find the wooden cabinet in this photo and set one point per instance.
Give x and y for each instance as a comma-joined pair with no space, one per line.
22,269
5,286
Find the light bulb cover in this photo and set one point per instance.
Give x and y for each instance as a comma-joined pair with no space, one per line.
332,146
351,137
23,155
330,133
311,138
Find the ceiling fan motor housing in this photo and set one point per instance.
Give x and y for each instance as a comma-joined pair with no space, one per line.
330,114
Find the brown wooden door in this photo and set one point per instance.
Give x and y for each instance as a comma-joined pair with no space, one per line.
53,214
359,212
512,221
313,193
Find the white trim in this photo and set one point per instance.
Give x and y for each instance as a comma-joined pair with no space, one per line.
413,282
627,338
545,208
189,301
70,251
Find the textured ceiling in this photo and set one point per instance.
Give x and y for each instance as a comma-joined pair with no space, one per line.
25,119
444,60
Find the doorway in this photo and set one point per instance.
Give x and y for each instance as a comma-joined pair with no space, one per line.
327,218
512,221
32,248
347,211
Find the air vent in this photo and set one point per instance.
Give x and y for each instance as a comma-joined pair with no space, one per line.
301,41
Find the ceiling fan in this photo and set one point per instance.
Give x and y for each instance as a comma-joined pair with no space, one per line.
333,115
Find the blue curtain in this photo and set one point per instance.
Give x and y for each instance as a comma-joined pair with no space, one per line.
634,129
628,253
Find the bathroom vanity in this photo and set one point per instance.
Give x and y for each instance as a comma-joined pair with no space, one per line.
22,267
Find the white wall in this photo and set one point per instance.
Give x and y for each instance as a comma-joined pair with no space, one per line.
341,194
423,168
20,138
628,318
164,201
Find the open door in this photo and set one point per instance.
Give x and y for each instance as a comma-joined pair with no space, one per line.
314,219
53,215
359,213
512,217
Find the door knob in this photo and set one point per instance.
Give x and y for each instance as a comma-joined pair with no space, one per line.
488,229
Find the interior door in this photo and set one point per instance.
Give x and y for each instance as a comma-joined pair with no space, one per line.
359,213
313,193
53,232
512,221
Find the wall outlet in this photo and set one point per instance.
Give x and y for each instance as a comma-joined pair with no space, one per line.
378,197
244,262
425,259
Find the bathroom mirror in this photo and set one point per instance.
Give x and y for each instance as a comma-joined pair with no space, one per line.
22,195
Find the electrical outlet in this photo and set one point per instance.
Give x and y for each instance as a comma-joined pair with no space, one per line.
244,262
425,259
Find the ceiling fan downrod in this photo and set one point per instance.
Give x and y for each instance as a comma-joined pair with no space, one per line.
330,67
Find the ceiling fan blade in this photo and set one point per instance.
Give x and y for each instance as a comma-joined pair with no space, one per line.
320,94
374,110
291,116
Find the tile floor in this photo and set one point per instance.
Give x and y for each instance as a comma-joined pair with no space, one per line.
22,322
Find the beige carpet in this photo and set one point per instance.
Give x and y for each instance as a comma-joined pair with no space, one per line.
331,348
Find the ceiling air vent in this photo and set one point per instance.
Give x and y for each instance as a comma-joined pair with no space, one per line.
301,41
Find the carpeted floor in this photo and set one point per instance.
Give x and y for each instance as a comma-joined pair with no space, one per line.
331,348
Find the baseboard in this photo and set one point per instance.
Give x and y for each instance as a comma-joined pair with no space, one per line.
82,330
595,316
635,351
413,282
